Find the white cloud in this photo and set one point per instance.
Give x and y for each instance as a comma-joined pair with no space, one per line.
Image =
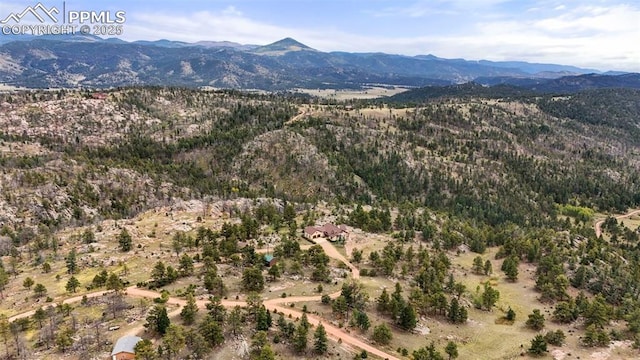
584,35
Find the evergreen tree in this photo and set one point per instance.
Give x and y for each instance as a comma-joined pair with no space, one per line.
538,345
408,318
258,341
300,338
451,350
457,314
427,353
361,320
252,279
383,301
340,306
72,284
64,340
510,268
382,334
263,319
598,312
114,283
320,345
489,297
174,340
267,353
488,268
144,350
274,272
70,260
535,320
158,320
28,283
186,265
39,290
124,240
40,315
188,312
555,337
235,320
211,331
478,265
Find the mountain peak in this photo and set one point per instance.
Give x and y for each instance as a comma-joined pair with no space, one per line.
283,46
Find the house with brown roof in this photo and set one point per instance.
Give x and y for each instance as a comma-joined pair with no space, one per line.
329,231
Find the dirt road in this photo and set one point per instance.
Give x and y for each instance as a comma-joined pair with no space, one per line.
276,304
598,225
332,252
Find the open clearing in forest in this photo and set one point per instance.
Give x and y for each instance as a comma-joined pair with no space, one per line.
347,94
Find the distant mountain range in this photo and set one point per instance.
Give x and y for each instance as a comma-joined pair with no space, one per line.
71,61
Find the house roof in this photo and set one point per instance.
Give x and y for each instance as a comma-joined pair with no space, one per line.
126,344
329,230
311,229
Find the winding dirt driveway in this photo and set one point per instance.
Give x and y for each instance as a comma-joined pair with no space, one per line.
276,304
598,225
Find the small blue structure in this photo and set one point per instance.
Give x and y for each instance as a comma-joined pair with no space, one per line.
269,260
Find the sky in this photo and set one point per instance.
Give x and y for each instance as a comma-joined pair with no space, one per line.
598,34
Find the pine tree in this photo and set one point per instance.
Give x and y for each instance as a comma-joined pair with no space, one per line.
114,283
144,350
382,334
70,260
361,320
186,265
267,353
300,339
188,312
124,240
538,345
262,319
489,297
72,284
535,320
407,319
64,340
452,350
320,345
510,268
478,267
173,340
39,290
235,320
488,268
211,331
383,301
158,321
252,279
28,283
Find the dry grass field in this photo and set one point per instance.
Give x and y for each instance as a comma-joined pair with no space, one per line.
368,93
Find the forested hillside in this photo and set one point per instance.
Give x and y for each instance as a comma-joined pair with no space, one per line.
520,176
486,159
